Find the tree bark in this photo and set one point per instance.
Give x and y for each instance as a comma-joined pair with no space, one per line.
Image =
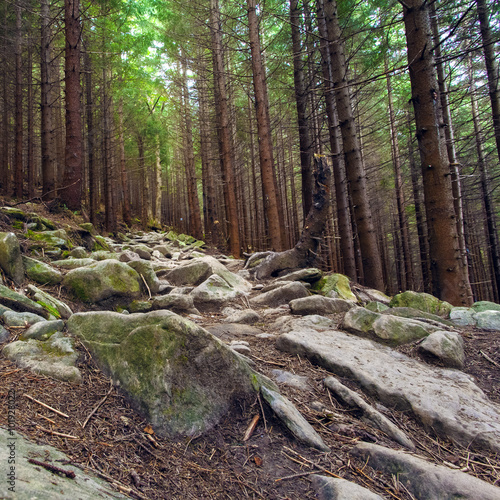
70,191
491,63
272,207
223,130
305,140
305,252
123,168
356,177
18,155
450,280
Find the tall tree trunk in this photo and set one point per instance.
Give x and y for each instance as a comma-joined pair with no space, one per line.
301,92
18,163
450,279
485,183
123,168
272,206
491,62
30,160
344,224
192,185
407,283
47,99
71,190
356,177
449,136
223,130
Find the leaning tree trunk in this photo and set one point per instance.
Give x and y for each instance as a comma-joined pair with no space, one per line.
305,252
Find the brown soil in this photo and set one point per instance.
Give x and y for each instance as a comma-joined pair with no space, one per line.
104,435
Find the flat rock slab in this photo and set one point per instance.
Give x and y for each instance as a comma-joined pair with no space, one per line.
36,482
424,479
446,401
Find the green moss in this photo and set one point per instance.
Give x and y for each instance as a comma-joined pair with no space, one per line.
52,310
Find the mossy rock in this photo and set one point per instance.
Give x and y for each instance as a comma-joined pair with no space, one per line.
41,272
58,238
103,280
11,260
485,305
100,244
337,283
88,226
181,378
422,301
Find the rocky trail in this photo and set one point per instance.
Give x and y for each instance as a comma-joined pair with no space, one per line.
148,366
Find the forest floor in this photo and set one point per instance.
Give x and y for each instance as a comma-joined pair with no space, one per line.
115,443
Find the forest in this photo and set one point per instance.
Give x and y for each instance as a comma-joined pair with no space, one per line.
212,117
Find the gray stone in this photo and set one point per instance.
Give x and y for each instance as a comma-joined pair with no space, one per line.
73,263
372,295
288,323
390,329
12,318
54,357
78,253
316,304
104,255
488,320
444,400
369,414
175,302
4,334
446,346
181,378
35,482
41,272
57,238
141,306
165,250
294,421
485,305
337,283
57,307
43,330
422,301
102,280
376,306
309,275
145,269
334,488
143,251
247,316
214,291
282,295
229,331
19,302
193,273
292,379
128,256
11,261
412,313
462,316
424,479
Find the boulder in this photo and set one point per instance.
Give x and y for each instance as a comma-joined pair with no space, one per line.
422,301
247,316
175,302
73,263
337,283
335,488
488,320
78,253
11,261
316,304
58,238
446,401
55,306
181,378
485,305
55,357
291,417
376,306
43,330
193,274
360,321
145,269
424,479
12,318
288,323
102,280
462,316
309,275
35,482
21,303
412,313
40,272
281,295
448,347
213,292
143,251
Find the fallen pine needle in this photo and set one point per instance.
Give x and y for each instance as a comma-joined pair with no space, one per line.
97,407
46,406
54,433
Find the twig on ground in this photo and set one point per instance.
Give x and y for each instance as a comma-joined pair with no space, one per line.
97,407
46,406
489,359
53,468
54,433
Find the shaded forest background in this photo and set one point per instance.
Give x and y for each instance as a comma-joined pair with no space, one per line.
207,117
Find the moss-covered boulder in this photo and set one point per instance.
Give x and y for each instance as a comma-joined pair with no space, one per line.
180,377
41,272
21,303
58,238
56,307
336,283
376,306
55,357
422,301
146,271
73,263
448,347
102,280
485,305
11,261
